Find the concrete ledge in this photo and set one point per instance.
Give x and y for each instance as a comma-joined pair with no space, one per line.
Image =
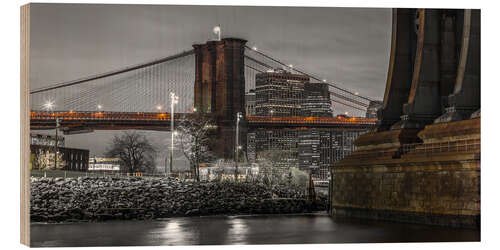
385,139
410,159
448,220
449,131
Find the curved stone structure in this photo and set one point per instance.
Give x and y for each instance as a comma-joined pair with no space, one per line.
398,83
434,68
422,164
466,96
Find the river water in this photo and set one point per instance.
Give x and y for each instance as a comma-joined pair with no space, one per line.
215,230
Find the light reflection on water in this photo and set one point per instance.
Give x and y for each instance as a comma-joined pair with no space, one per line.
237,231
173,234
215,230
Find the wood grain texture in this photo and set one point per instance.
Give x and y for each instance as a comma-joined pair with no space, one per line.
25,70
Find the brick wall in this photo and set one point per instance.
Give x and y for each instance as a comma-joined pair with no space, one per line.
434,182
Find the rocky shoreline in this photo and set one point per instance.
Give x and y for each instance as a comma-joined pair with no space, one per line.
100,199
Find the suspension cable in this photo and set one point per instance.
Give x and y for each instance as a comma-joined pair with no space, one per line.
304,73
111,73
330,92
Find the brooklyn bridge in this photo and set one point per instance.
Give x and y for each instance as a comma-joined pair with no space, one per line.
417,162
210,79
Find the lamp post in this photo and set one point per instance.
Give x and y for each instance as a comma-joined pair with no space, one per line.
217,31
237,145
56,146
173,100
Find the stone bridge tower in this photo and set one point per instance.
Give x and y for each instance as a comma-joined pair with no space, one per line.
219,89
434,68
422,164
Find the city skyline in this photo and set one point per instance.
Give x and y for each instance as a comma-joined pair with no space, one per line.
146,130
74,41
82,40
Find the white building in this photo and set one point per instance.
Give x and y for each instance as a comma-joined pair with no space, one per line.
104,164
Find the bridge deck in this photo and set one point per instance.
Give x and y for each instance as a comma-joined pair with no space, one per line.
161,121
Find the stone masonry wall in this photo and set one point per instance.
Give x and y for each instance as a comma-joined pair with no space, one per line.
430,192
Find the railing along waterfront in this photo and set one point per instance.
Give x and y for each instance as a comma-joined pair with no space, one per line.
462,145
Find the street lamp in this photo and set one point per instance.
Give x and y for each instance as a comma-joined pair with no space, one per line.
237,146
217,31
56,146
173,100
48,105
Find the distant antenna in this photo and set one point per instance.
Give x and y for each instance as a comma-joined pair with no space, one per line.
217,31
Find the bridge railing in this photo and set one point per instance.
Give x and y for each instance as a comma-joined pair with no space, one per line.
106,115
83,115
315,120
462,145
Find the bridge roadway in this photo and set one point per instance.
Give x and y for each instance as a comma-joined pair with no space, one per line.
78,120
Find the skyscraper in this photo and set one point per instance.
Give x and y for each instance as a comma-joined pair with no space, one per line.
316,100
307,149
250,102
373,107
279,93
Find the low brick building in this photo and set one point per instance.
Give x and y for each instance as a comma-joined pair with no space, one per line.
74,159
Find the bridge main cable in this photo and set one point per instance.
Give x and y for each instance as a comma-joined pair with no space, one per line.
114,72
305,73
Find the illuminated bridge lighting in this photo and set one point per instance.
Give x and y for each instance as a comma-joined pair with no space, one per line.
160,121
312,120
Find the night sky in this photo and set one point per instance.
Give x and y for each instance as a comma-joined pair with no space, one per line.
350,46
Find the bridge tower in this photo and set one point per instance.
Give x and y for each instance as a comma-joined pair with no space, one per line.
423,162
434,68
219,89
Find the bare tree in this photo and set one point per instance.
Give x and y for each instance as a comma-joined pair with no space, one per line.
136,153
44,160
195,137
274,165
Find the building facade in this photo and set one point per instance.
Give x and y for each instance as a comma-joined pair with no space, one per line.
311,150
42,148
277,145
72,159
279,93
316,100
46,140
318,149
103,164
250,102
373,107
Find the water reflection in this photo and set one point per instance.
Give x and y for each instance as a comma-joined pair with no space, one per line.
237,231
284,229
173,234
